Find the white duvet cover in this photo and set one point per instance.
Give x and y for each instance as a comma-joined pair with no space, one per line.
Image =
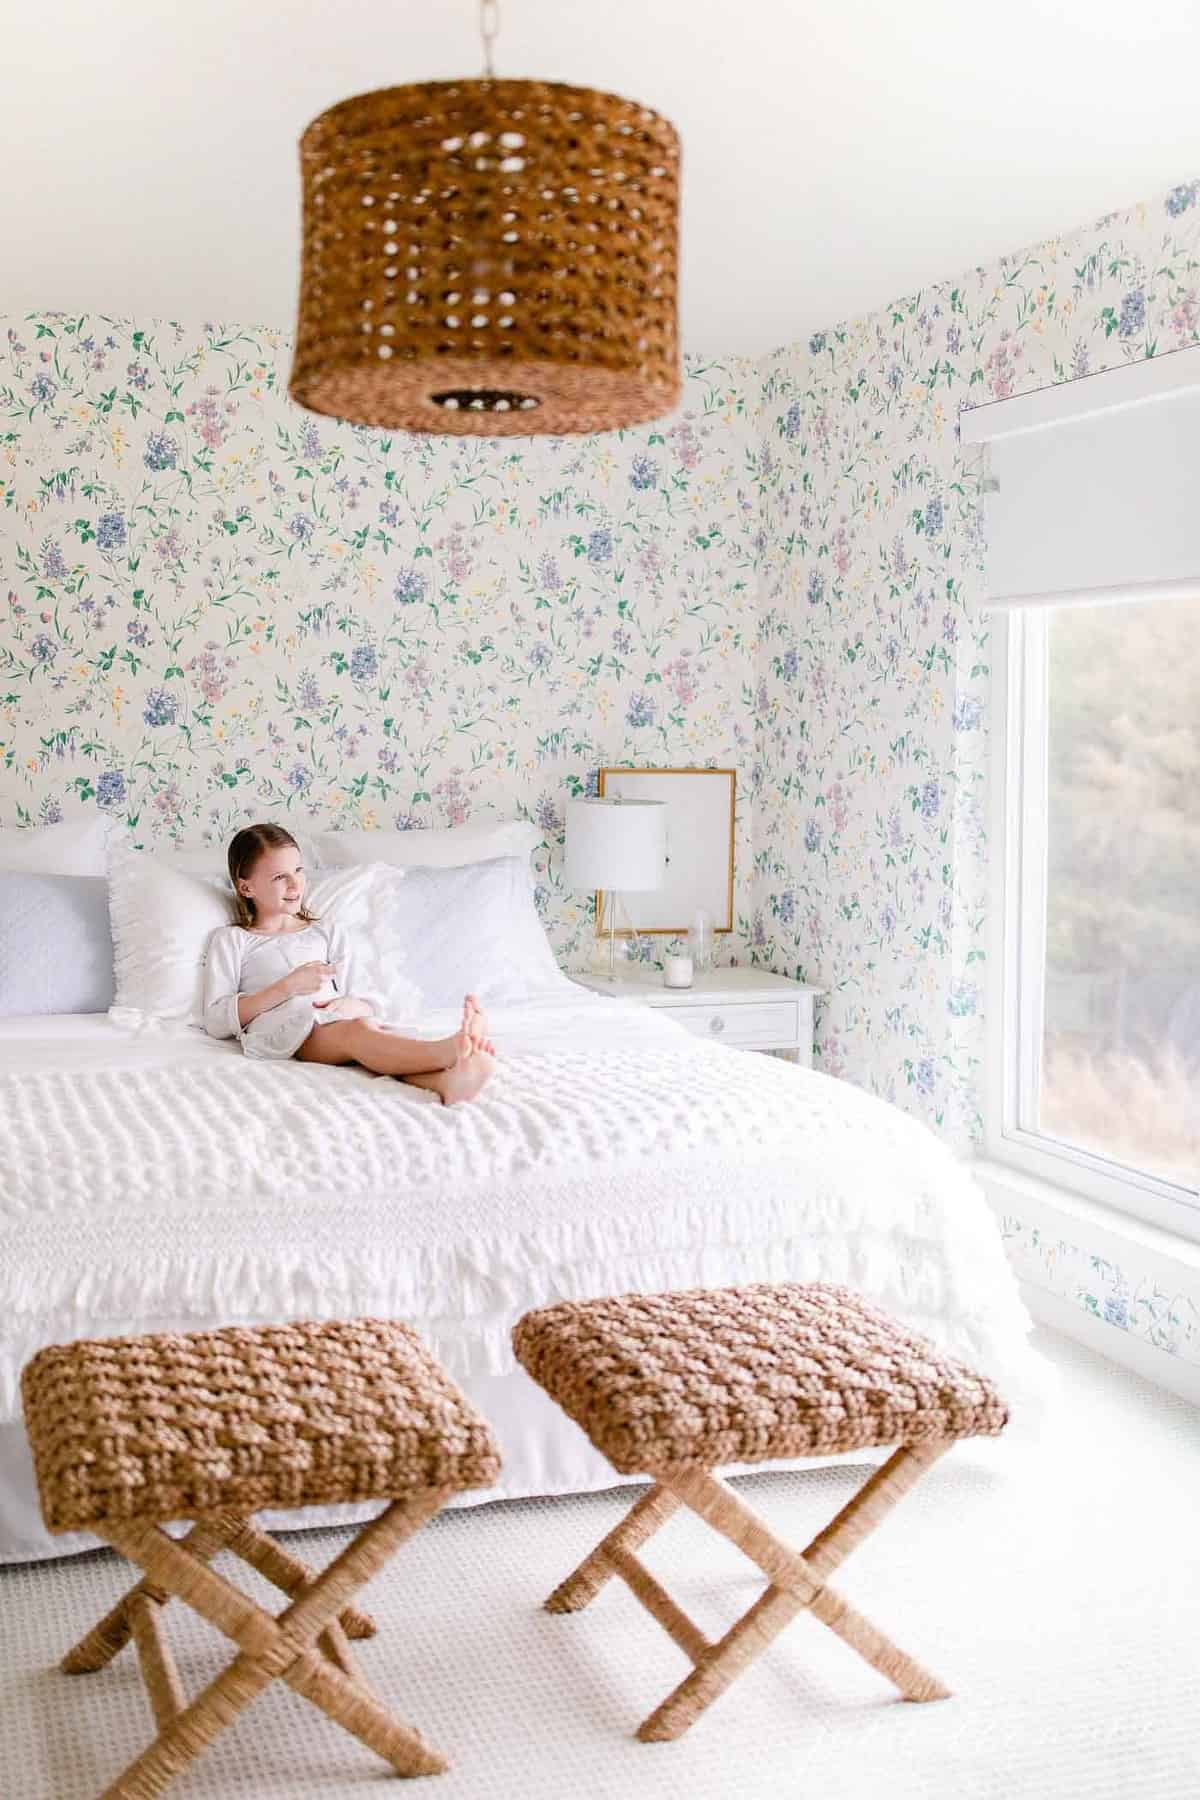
159,1180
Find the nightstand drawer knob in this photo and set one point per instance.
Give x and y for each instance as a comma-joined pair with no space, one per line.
716,1023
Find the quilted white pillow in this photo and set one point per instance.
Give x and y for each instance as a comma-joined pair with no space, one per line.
449,848
74,848
162,920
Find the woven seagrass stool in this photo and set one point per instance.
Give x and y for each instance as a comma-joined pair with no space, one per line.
128,1433
675,1385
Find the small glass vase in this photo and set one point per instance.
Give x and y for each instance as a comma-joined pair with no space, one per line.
700,942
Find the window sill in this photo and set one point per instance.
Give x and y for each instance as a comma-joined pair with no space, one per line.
1125,1287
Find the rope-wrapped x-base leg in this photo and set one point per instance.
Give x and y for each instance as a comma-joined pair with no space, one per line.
797,1582
306,1646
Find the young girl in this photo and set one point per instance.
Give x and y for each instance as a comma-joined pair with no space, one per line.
274,980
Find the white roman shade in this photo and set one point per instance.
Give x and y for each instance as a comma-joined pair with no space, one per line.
1094,487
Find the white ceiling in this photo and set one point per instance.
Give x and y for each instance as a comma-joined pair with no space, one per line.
835,156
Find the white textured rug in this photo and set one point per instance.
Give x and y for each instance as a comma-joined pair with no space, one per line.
1061,1602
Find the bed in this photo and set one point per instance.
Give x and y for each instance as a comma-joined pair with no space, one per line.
155,1179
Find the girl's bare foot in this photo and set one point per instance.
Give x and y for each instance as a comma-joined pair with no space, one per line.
475,1025
469,1065
464,1081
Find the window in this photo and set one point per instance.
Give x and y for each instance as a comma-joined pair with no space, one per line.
1099,1030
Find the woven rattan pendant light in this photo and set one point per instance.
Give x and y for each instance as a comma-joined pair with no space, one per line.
489,258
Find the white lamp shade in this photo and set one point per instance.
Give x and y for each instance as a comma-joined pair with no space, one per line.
617,844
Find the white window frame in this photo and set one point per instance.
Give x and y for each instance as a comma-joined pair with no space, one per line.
1016,987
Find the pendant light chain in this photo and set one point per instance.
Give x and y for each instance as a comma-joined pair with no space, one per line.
489,31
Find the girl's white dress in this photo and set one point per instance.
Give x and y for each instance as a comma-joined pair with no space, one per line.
239,961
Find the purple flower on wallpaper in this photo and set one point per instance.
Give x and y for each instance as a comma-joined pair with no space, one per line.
787,907
161,451
888,920
310,443
389,512
302,527
53,566
549,816
43,649
364,663
968,714
816,343
138,632
644,473
812,837
43,389
388,761
622,642
1116,1311
950,628
758,933
816,588
640,711
110,789
895,378
790,666
933,516
161,707
925,1075
138,375
600,546
931,799
792,420
299,777
1180,198
1133,313
308,694
411,587
953,340
540,655
548,575
110,531
899,558
591,785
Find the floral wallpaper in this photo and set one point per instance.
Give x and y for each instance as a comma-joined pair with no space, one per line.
217,605
873,679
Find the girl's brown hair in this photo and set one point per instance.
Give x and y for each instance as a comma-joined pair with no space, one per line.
248,845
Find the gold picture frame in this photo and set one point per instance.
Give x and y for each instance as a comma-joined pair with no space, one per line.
702,820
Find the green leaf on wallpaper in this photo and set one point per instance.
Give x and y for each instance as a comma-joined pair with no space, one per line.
84,788
105,660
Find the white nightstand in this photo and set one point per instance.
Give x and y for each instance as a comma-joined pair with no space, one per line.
748,1009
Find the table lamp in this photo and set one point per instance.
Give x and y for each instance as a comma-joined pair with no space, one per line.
615,847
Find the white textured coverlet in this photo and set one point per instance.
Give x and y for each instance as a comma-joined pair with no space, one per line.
610,1153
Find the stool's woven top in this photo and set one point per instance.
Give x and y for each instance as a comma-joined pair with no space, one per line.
180,1425
748,1374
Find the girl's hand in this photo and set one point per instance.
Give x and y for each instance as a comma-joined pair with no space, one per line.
309,978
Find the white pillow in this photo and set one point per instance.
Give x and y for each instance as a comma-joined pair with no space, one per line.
162,920
449,848
75,848
465,930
